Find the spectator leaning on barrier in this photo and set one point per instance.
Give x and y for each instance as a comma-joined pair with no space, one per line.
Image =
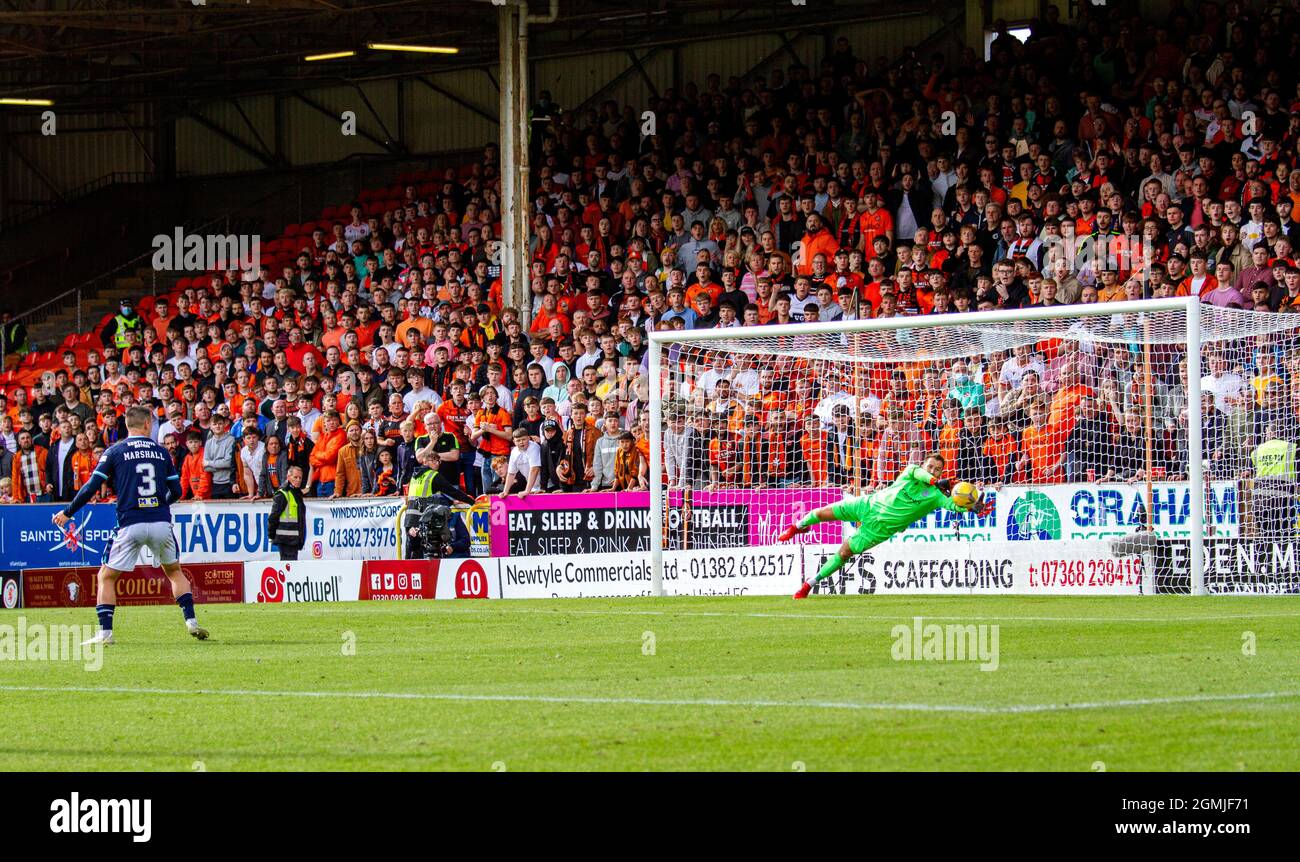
219,458
524,467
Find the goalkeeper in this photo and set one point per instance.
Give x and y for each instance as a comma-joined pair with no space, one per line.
916,492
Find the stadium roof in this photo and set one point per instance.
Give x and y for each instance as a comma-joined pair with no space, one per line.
96,55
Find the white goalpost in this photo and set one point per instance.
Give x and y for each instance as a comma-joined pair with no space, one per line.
1084,424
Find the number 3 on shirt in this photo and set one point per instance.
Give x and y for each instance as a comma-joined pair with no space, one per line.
148,476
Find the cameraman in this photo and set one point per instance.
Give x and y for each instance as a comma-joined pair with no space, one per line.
429,529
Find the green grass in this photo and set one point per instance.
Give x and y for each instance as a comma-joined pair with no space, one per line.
827,650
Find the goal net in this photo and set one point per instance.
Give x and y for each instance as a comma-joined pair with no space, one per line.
1130,447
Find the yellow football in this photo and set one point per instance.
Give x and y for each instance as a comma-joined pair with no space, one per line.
966,495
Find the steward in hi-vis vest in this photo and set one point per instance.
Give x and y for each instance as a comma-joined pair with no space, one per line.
288,522
115,332
1274,492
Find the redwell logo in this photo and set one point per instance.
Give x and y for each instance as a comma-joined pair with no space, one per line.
309,581
272,585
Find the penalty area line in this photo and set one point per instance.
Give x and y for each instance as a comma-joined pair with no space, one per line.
1010,709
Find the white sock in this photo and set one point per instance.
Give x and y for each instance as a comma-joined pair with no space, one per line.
193,624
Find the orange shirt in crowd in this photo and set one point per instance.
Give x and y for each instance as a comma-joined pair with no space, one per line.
324,458
1040,444
1001,451
196,483
1065,412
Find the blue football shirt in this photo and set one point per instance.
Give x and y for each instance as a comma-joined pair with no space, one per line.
141,472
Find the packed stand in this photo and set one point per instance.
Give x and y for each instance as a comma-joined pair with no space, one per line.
1115,159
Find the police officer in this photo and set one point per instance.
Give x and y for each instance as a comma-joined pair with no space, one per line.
114,333
1274,492
288,522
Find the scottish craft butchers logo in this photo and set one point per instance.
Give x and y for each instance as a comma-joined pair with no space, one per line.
10,596
1033,516
272,586
72,590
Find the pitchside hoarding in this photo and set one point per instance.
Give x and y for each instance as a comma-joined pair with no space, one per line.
207,532
363,528
559,524
607,522
1103,510
75,586
274,582
981,568
743,571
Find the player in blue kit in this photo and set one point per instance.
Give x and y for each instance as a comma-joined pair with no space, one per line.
144,478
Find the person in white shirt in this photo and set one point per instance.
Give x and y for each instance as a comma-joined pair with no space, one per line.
537,347
389,342
590,355
802,297
1253,230
942,178
676,437
252,456
708,381
524,471
356,229
1021,363
744,382
182,354
1229,390
495,375
307,414
420,391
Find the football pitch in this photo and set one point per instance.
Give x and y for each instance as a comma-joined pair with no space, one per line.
752,683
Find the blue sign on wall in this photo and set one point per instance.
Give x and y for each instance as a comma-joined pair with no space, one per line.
29,540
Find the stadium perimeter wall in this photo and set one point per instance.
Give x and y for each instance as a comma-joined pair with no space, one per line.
1037,540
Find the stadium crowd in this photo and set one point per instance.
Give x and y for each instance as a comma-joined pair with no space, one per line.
856,189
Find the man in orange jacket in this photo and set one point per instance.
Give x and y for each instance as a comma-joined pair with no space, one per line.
325,456
347,476
818,240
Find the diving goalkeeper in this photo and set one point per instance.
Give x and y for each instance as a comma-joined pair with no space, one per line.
916,492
